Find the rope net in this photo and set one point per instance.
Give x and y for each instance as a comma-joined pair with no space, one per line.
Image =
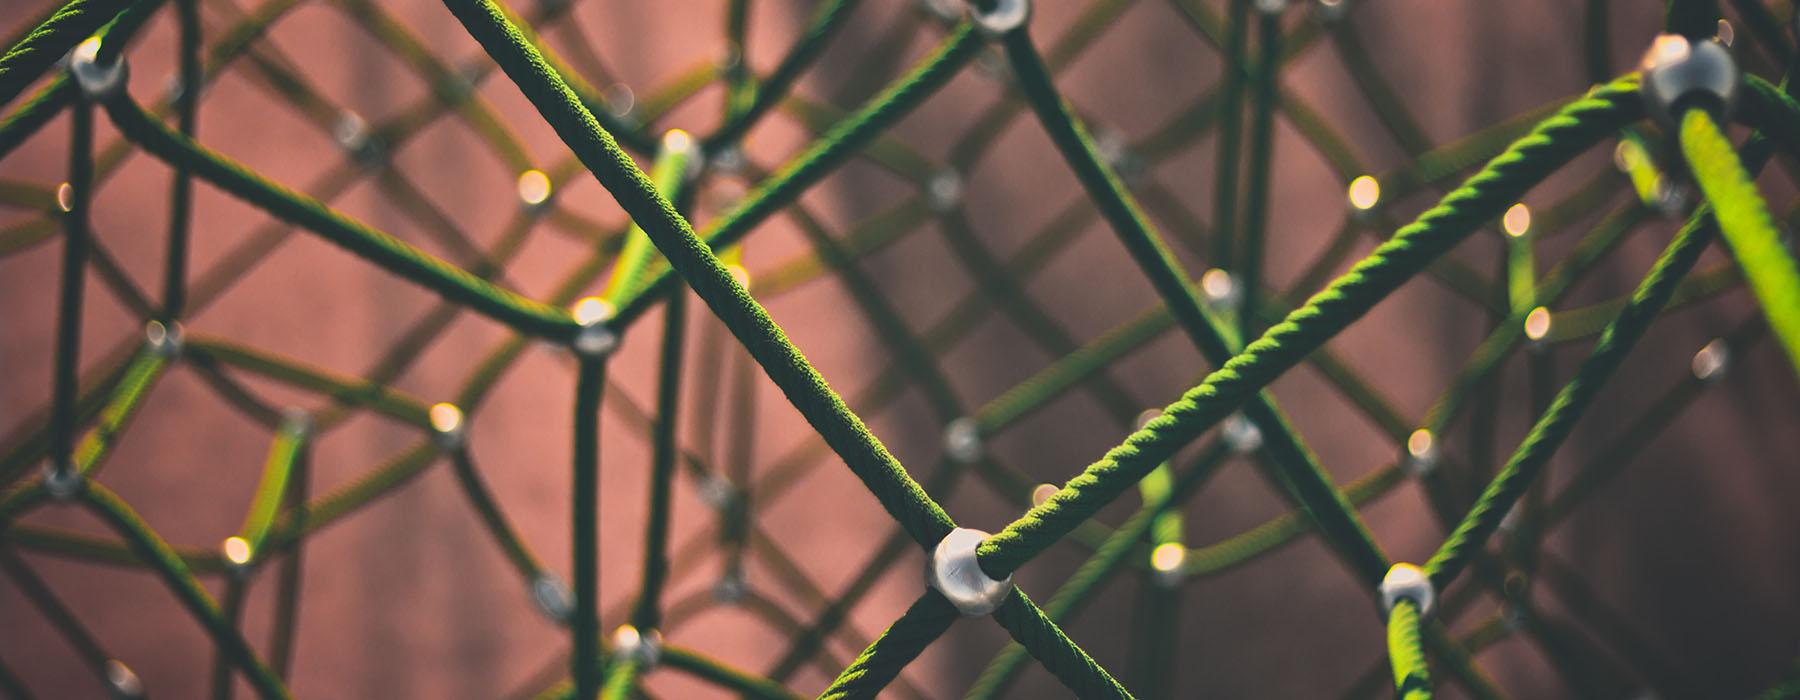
1138,323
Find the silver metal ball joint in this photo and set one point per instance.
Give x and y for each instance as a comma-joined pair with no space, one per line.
953,571
944,191
63,482
164,339
297,422
123,683
97,81
962,441
643,647
1006,16
596,340
1407,581
553,597
1681,73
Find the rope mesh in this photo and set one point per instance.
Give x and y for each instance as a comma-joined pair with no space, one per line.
1248,332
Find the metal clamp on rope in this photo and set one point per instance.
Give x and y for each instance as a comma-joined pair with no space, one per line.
97,81
645,648
1003,17
164,339
1410,582
63,481
595,339
954,572
553,597
1682,73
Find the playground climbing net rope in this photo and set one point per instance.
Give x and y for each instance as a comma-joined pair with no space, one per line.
1667,119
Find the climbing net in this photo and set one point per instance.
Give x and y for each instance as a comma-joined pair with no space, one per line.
1666,125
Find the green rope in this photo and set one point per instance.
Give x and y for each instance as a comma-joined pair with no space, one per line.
1482,197
50,41
898,645
1412,680
1744,220
153,550
586,495
1556,422
923,519
394,255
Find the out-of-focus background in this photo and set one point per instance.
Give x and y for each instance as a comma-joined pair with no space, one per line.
1673,578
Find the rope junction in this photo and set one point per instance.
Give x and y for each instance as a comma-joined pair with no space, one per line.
1687,93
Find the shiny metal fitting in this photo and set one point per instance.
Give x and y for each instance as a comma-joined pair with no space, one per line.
954,572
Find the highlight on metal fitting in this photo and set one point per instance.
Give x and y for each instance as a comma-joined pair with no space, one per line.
1220,291
552,597
1711,361
944,191
620,101
944,11
1114,148
237,551
1271,7
62,481
1517,220
680,142
1005,16
1421,453
1329,11
1364,193
1681,73
163,339
1168,564
353,136
97,81
716,491
296,421
1410,582
595,339
124,683
643,647
446,426
953,571
533,189
962,441
1239,434
1537,327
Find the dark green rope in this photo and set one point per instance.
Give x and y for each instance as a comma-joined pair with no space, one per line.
648,613
392,254
897,646
25,61
825,22
74,280
1061,657
902,497
1230,119
787,183
181,199
1555,424
585,489
1497,186
152,549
